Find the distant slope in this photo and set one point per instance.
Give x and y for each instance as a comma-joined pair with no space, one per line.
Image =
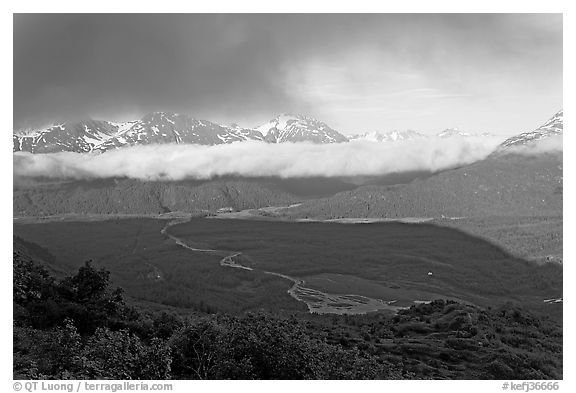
137,197
554,126
28,251
506,185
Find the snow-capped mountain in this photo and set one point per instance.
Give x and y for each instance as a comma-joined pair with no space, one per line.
157,127
298,128
455,132
80,136
163,127
391,136
451,132
554,126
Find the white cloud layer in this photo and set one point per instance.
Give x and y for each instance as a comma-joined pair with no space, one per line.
552,144
257,159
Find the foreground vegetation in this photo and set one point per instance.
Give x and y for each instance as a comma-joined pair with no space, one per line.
80,327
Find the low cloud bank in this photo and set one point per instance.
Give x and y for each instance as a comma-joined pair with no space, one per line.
553,144
257,159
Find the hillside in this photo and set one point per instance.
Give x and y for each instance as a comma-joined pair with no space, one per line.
125,196
500,185
554,126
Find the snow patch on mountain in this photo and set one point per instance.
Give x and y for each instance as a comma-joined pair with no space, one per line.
451,132
391,136
298,128
154,128
553,127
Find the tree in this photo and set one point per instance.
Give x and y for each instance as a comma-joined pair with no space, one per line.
197,350
32,282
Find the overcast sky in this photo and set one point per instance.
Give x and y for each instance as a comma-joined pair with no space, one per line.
483,72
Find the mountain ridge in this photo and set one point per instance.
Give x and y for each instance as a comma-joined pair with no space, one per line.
553,126
83,136
157,127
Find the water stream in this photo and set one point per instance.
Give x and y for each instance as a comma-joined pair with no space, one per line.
316,300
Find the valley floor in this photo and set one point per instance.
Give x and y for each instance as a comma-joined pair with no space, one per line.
535,238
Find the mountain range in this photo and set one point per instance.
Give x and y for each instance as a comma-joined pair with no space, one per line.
504,184
164,127
393,136
154,128
501,184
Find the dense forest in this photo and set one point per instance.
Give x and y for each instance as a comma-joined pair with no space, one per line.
128,196
82,327
508,185
537,238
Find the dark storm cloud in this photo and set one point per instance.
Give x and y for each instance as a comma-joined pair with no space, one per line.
76,65
226,66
